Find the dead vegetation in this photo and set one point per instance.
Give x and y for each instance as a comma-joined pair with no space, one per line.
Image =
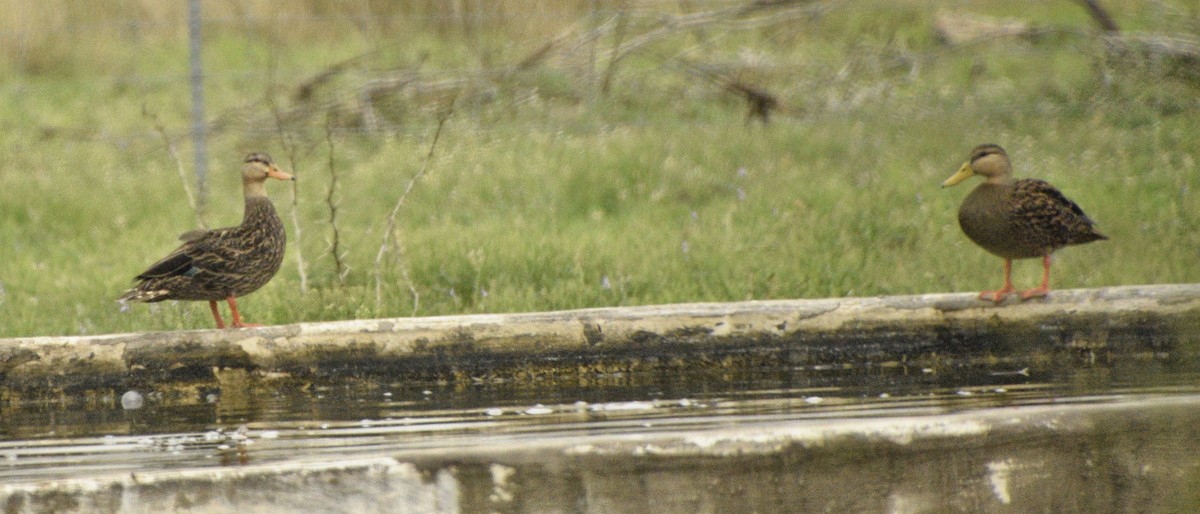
589,52
588,55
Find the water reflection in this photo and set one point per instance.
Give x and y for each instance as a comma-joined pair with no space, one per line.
262,420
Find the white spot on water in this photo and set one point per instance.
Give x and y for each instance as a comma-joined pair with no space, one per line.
132,400
494,412
619,406
500,476
538,409
813,400
998,473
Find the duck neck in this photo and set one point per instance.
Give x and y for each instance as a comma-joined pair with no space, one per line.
253,188
258,208
1000,180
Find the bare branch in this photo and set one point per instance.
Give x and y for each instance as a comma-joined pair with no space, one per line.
746,16
1100,15
391,220
289,147
170,145
339,267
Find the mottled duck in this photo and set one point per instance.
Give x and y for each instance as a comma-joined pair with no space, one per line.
1017,219
223,263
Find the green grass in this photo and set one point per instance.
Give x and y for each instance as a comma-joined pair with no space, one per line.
542,195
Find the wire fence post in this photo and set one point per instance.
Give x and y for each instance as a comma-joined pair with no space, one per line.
198,124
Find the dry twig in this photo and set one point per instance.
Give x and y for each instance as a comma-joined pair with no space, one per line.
170,144
340,268
391,220
289,147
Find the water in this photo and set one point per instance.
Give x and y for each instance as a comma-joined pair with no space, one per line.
255,421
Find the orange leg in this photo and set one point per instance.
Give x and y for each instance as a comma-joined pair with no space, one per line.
237,318
1002,293
1045,287
216,314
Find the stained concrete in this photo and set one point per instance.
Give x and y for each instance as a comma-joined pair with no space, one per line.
1107,456
934,330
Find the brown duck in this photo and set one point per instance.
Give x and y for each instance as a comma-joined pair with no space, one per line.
224,263
1017,219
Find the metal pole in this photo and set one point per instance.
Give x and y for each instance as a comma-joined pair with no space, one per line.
198,124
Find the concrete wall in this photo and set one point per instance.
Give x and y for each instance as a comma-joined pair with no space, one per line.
926,330
1106,456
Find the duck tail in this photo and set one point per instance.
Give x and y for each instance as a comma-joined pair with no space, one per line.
139,294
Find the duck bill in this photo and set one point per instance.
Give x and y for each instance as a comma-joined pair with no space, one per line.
275,173
962,174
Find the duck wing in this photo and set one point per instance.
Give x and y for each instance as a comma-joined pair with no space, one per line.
1050,216
198,252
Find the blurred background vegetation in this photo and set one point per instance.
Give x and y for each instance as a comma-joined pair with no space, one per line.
593,153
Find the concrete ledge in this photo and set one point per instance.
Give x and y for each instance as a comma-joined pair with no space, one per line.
925,330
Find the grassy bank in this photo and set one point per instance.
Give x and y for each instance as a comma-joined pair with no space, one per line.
547,190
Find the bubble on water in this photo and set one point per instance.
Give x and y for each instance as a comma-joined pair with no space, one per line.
494,412
132,400
538,409
622,406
